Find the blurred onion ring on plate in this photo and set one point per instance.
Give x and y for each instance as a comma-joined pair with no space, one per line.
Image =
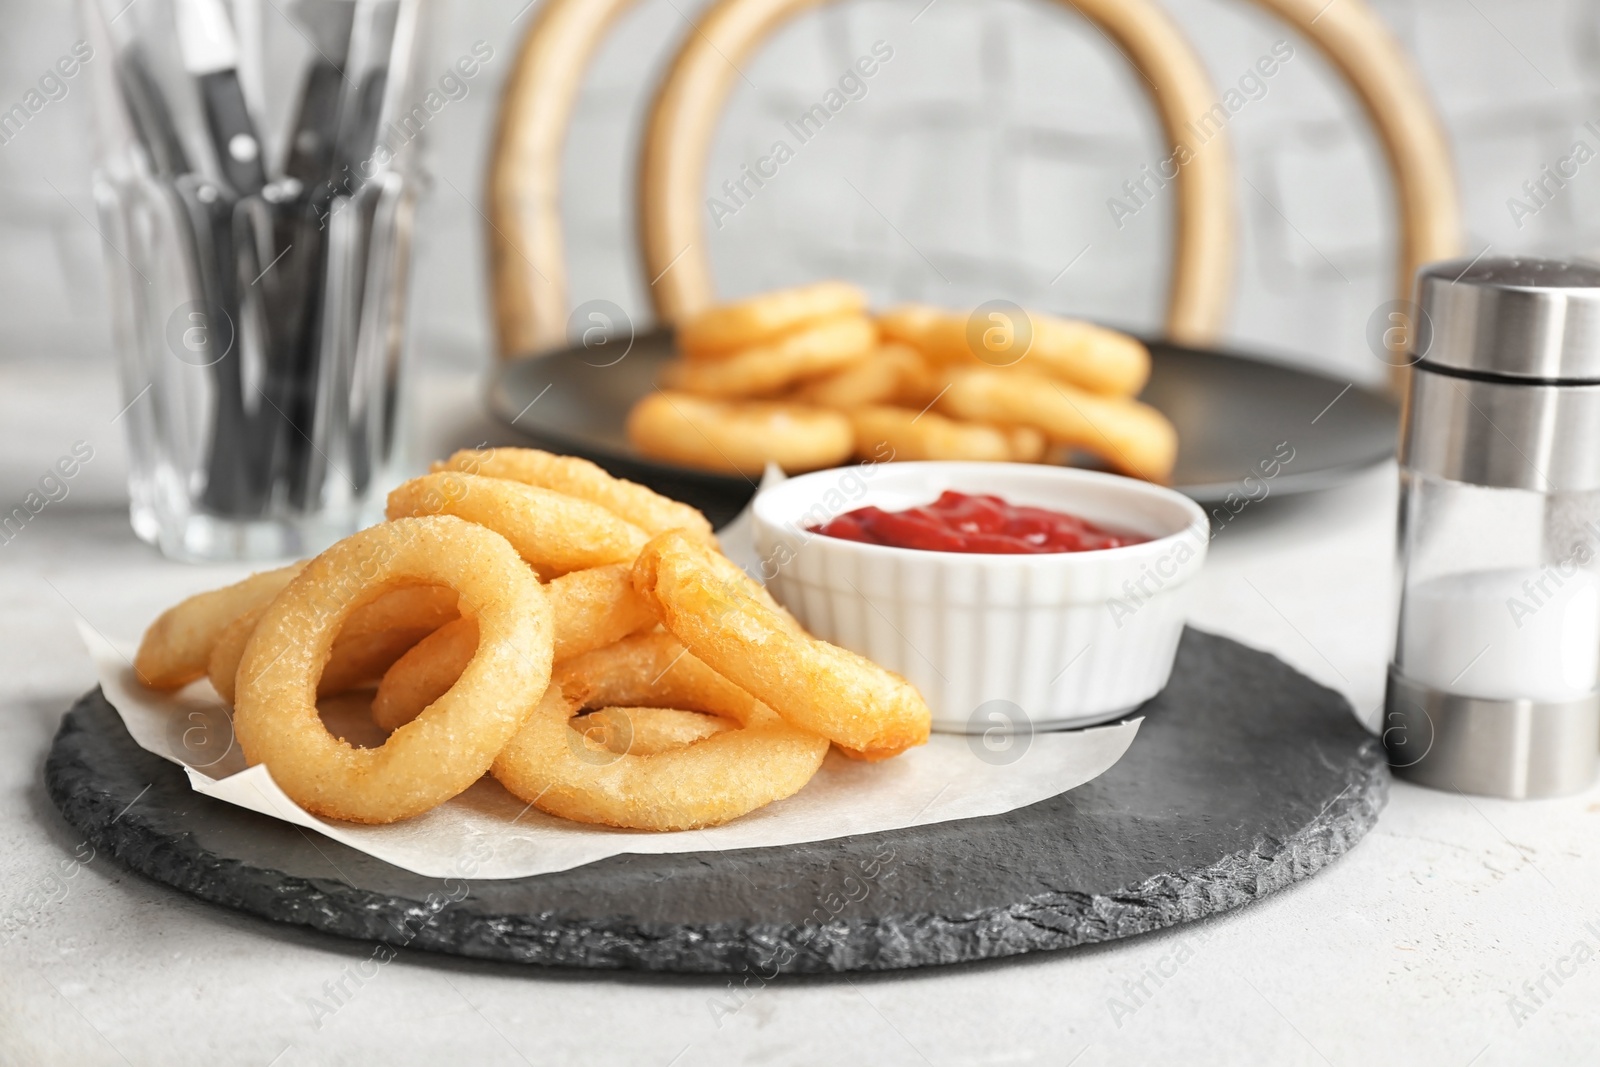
722,330
739,437
768,369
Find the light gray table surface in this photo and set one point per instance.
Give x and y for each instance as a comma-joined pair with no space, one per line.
1411,949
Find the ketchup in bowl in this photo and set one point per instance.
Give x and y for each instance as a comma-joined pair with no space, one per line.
959,522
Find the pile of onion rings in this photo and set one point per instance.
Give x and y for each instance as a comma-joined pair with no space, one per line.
806,378
527,615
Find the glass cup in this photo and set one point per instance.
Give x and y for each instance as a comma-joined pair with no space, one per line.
257,186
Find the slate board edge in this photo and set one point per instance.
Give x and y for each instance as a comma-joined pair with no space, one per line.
1039,923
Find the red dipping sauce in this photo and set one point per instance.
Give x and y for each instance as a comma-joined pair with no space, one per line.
958,522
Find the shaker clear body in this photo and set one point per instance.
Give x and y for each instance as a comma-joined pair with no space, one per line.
1500,592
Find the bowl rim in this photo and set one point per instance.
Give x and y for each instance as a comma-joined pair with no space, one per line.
1199,523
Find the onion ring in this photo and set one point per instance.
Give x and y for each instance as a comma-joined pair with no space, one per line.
720,330
424,674
595,608
354,661
418,607
223,666
740,438
1133,437
770,368
706,783
1090,357
706,602
912,435
893,374
647,731
645,508
376,635
554,532
653,669
449,746
1027,444
363,659
591,608
177,646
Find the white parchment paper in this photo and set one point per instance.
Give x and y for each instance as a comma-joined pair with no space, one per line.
488,833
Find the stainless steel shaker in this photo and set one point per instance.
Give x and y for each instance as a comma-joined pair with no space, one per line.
1495,684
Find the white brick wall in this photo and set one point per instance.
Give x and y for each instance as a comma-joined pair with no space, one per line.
991,142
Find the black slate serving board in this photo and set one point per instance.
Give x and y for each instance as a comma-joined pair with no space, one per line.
1245,777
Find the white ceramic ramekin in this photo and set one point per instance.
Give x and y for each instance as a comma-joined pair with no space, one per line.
1064,639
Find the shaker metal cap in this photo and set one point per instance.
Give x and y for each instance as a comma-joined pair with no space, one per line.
1512,317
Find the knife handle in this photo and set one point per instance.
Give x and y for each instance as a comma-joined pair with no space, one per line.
316,128
239,150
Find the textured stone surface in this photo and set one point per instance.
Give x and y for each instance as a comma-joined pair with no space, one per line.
1245,777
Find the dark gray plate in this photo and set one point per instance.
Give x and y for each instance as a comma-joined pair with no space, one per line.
1245,777
1232,411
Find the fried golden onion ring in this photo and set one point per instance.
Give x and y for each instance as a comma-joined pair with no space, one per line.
1134,438
709,604
363,659
450,745
595,608
1027,444
893,374
354,661
223,666
554,532
176,649
711,781
729,327
911,435
417,607
645,508
740,438
768,369
591,608
424,674
647,731
376,635
1090,357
